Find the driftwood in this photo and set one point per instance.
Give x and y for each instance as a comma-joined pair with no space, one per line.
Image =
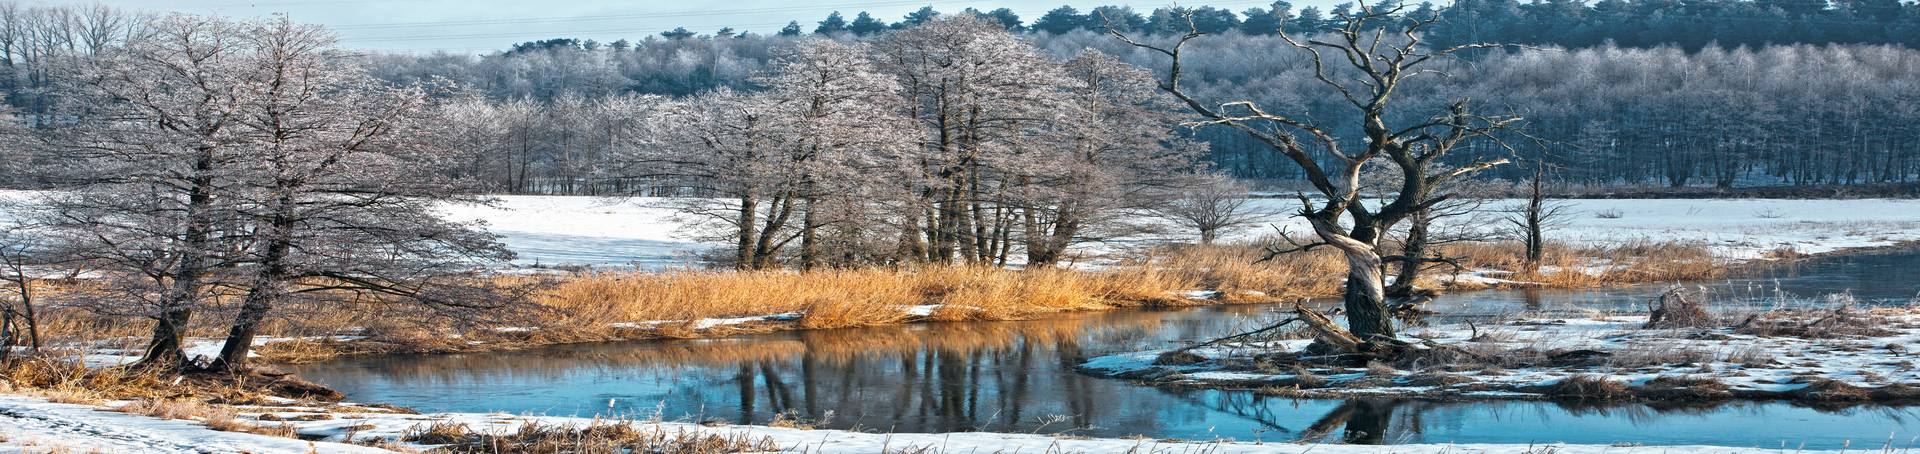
1326,332
1334,339
1268,328
1337,344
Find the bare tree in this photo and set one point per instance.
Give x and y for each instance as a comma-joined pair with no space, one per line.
1377,52
843,133
1533,217
19,254
1212,204
977,94
1118,153
336,184
152,143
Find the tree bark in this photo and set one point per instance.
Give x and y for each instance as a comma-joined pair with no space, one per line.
165,349
176,309
268,287
1413,253
743,247
1366,296
809,235
1325,331
26,308
1536,214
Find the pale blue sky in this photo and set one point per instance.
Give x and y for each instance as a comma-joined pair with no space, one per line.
472,26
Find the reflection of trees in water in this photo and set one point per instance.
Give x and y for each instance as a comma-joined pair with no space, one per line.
1390,421
1360,421
1004,376
961,376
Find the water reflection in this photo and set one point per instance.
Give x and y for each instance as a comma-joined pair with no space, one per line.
1018,377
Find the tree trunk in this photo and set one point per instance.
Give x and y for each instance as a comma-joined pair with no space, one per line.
165,349
26,309
809,236
1366,296
184,291
743,248
1413,252
267,288
1536,213
766,250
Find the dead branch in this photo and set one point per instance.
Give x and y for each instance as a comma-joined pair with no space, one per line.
1275,251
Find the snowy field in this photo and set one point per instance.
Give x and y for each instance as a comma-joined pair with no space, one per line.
558,230
591,231
34,425
642,232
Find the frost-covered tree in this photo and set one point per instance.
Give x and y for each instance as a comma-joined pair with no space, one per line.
1117,153
255,160
980,95
153,145
842,130
791,163
1212,204
336,187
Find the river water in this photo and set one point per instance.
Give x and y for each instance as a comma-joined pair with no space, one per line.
1018,377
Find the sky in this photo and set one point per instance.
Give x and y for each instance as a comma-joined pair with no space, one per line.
478,26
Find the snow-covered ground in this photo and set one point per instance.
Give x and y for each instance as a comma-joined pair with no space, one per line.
1744,228
116,352
557,230
1605,346
642,232
34,425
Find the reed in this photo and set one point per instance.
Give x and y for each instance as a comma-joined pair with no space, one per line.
849,298
613,305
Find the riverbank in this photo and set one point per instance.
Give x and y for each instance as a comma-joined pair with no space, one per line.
1681,353
642,305
633,277
31,425
762,350
1219,277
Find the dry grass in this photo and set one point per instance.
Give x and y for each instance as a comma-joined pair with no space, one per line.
438,433
1585,387
1584,267
1230,270
607,437
68,381
847,298
215,416
638,305
1840,319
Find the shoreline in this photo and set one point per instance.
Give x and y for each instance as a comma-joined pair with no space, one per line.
721,328
331,426
1840,354
39,424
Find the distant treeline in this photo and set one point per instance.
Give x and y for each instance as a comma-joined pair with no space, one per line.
1622,92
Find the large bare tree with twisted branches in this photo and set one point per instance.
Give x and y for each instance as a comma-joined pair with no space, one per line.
1370,56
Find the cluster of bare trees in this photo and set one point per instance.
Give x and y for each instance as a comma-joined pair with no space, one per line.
203,165
1655,113
1657,116
207,163
1664,116
953,141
